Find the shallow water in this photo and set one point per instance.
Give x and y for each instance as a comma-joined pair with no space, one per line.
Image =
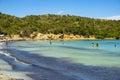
106,54
73,60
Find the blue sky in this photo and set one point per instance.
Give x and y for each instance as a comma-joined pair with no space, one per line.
88,8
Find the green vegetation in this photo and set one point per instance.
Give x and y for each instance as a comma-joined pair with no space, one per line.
67,24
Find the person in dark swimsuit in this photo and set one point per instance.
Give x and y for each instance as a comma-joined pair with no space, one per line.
97,45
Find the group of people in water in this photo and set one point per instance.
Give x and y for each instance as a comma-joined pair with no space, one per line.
97,45
93,45
50,39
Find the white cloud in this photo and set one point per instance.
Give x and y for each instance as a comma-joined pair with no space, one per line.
112,17
60,12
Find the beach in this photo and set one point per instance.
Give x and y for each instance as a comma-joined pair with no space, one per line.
6,72
59,39
6,69
22,60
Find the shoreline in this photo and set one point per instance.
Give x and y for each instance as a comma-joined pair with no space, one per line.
7,71
40,36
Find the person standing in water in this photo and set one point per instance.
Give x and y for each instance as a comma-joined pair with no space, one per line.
115,45
92,45
97,45
6,42
50,40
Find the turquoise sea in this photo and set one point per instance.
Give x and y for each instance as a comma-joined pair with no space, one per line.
85,52
68,60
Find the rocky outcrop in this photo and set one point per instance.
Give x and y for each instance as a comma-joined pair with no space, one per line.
40,36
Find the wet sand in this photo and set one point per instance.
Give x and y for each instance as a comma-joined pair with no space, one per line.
5,71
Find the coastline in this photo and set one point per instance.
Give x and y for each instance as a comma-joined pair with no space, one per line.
6,69
40,36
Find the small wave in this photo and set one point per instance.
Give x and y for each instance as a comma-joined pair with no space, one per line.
17,60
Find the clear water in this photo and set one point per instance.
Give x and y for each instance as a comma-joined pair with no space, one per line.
106,54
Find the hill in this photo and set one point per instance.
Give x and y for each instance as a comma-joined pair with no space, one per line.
56,24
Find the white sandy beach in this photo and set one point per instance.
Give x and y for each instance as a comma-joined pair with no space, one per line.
7,73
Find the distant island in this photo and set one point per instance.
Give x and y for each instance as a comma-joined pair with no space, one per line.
49,25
